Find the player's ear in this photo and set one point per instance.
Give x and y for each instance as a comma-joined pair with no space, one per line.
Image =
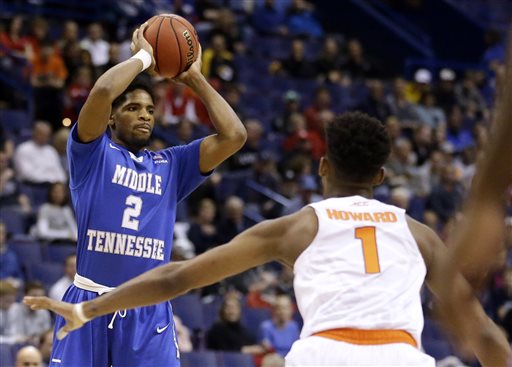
323,168
111,122
379,177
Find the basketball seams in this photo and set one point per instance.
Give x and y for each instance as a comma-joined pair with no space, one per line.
155,51
177,43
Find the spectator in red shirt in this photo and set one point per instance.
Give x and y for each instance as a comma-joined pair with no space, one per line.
14,41
77,92
302,139
321,102
38,35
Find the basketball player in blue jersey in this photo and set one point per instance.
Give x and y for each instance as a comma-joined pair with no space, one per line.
357,147
125,201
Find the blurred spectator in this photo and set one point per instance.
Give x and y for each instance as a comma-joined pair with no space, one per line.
245,158
232,93
29,356
60,287
357,64
265,173
36,161
177,102
233,220
272,360
77,92
376,104
26,324
226,24
401,162
39,35
446,196
114,57
300,20
60,139
183,336
55,219
495,52
48,76
302,140
400,197
422,144
10,194
10,267
279,333
296,65
14,41
202,231
419,86
445,91
428,175
263,290
268,20
404,110
7,323
460,137
321,102
6,144
96,45
218,60
291,100
330,61
394,128
468,95
307,195
429,113
45,346
69,35
228,334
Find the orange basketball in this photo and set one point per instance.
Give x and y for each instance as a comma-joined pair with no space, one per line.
175,43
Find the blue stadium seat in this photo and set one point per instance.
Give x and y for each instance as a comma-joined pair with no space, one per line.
253,317
28,251
211,312
229,359
48,273
15,120
189,309
198,359
7,357
38,194
15,221
58,252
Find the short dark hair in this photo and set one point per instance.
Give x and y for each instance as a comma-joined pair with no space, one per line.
33,284
358,145
141,82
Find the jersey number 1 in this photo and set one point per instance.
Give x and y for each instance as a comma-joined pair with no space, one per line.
370,253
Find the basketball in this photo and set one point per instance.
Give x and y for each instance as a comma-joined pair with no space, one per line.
175,44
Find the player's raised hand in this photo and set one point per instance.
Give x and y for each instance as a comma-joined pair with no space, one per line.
193,71
140,43
64,309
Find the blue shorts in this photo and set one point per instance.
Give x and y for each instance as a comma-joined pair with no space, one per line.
139,337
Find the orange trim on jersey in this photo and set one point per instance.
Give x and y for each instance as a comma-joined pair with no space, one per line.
368,337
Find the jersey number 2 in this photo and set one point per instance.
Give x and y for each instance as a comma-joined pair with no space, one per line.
132,212
370,253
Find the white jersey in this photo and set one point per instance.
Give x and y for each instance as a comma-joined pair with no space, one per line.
363,270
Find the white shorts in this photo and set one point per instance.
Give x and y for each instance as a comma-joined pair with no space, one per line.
319,351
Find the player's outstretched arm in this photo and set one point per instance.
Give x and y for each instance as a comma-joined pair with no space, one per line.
461,313
281,239
480,237
231,133
95,114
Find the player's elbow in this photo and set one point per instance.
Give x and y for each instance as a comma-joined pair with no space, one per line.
237,137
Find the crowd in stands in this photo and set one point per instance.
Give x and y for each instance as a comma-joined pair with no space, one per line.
286,78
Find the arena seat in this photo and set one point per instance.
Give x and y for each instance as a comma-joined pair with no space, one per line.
211,312
189,309
28,251
46,272
253,317
7,355
58,252
196,359
15,120
230,359
14,219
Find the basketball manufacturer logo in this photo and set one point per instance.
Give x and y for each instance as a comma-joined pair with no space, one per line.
190,44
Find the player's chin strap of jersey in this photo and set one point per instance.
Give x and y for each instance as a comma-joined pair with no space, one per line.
87,284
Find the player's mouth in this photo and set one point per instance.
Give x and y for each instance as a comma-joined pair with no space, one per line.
146,128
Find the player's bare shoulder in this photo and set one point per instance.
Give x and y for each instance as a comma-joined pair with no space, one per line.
300,230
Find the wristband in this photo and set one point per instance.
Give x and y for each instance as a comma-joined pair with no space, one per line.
78,311
143,56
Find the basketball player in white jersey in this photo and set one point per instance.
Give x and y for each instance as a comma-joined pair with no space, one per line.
359,264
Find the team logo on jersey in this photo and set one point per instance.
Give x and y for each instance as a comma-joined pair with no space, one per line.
157,158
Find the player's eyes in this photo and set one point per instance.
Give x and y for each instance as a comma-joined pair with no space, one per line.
132,108
151,112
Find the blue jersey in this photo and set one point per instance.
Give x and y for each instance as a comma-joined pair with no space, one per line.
125,205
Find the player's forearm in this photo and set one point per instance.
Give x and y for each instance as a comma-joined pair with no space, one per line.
152,287
491,346
116,79
226,122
